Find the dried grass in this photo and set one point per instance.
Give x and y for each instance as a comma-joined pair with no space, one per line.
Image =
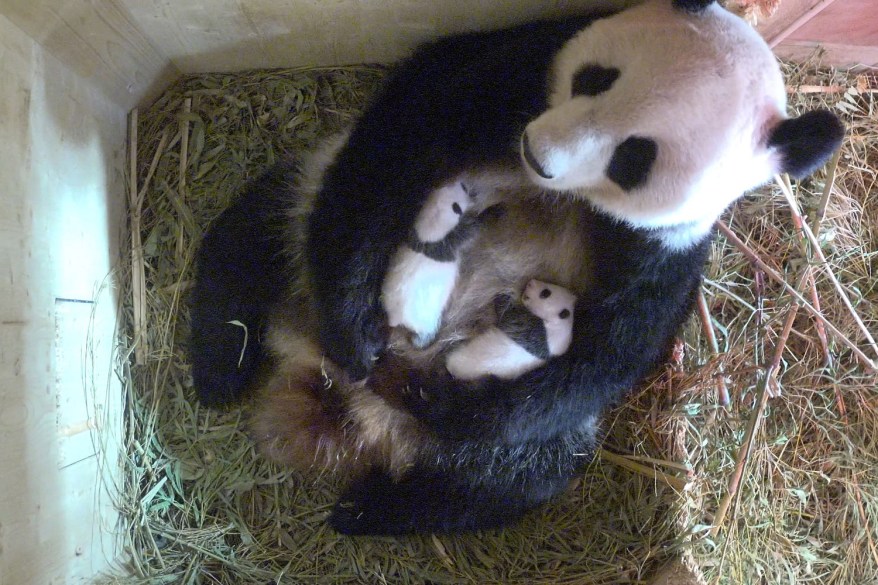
199,506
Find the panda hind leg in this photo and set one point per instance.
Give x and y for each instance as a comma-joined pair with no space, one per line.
240,274
429,501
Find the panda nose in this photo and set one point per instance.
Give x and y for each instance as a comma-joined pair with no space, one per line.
530,159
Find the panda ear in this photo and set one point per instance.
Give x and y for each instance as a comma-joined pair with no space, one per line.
806,142
693,6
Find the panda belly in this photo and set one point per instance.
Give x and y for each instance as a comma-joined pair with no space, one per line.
491,353
532,238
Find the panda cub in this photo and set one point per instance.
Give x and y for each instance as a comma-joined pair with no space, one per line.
525,336
424,270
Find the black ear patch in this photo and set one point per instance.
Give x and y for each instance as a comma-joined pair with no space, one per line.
692,5
593,80
632,162
806,142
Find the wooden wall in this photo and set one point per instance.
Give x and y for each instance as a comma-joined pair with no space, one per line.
845,30
61,151
233,35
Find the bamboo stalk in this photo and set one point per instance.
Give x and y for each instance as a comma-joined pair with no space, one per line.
798,223
722,389
820,211
753,425
816,89
138,277
753,258
825,265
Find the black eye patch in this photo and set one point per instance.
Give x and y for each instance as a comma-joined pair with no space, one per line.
545,293
455,207
632,161
564,314
593,80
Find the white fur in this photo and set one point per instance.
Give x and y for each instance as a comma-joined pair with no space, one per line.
415,292
416,288
559,331
437,218
491,352
704,86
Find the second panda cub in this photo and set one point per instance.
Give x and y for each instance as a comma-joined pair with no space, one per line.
525,336
423,272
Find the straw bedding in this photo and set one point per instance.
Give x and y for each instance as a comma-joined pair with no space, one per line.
199,506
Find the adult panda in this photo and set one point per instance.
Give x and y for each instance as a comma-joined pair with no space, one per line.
613,141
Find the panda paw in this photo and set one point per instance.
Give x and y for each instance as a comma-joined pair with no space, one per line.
444,405
368,507
348,517
356,353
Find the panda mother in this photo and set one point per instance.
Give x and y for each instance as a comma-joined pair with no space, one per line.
613,142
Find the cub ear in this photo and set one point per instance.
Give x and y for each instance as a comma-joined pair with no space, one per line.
806,142
693,6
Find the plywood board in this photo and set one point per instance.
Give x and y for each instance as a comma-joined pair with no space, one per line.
775,28
61,192
838,55
230,35
844,22
99,41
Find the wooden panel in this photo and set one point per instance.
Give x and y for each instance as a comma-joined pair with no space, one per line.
845,56
229,35
773,29
98,40
844,22
61,193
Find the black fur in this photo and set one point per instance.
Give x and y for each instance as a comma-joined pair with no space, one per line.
456,104
497,448
240,274
431,499
594,80
620,332
693,6
524,328
807,141
502,447
445,250
631,162
505,447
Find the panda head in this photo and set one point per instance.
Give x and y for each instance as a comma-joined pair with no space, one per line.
662,115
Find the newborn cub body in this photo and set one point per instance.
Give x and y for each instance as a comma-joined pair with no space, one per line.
525,336
423,271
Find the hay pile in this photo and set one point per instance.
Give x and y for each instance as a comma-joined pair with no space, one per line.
199,506
806,507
